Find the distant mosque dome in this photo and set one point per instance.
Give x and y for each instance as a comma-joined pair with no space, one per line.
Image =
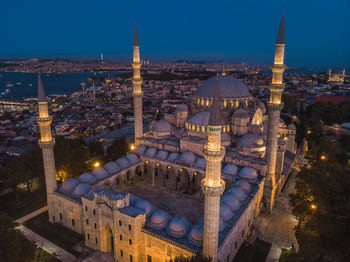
69,185
162,126
195,236
178,227
229,87
81,189
248,173
87,178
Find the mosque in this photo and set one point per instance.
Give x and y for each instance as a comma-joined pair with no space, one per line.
203,174
336,78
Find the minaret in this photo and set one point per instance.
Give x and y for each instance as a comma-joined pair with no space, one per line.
137,92
47,143
212,185
274,108
93,92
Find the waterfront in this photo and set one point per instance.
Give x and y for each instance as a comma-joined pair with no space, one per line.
26,87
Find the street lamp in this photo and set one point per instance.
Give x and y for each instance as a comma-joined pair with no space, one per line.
132,147
97,164
313,206
323,157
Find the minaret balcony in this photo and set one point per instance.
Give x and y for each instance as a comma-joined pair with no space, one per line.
46,144
209,189
136,65
275,106
43,120
213,155
278,68
277,88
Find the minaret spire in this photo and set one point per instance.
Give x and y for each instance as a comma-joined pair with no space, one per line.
274,110
215,116
46,142
137,90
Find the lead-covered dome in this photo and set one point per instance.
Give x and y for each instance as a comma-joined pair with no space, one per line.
178,227
195,237
81,189
87,178
69,185
229,87
162,126
158,220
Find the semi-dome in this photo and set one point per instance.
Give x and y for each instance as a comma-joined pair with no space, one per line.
231,201
81,189
87,178
158,220
201,118
238,193
244,185
69,185
162,126
145,206
225,212
187,157
123,162
229,87
132,158
195,237
178,227
99,173
230,169
111,168
248,173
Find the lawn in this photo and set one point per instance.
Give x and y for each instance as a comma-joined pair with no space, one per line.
57,234
42,256
285,254
29,202
253,253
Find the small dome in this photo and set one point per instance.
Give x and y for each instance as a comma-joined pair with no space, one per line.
238,192
162,126
145,206
225,212
240,113
250,141
230,169
111,168
244,185
173,156
229,87
231,201
178,227
195,237
201,118
81,189
200,163
99,173
158,220
123,162
69,185
248,173
151,152
140,149
162,154
292,126
87,178
187,157
132,158
182,107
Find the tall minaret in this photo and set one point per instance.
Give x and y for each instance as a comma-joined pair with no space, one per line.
137,92
212,185
274,108
46,142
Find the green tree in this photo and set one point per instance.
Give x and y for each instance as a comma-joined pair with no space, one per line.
194,258
96,149
14,247
117,149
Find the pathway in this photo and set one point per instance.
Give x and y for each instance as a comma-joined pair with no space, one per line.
41,242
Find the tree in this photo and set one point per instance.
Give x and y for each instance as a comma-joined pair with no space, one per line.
96,149
117,149
14,247
194,258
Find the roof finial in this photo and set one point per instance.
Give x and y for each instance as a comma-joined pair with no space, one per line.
280,36
136,37
41,91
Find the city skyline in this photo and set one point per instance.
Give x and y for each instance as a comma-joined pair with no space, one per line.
232,32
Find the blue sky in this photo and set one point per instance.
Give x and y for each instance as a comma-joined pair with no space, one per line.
317,32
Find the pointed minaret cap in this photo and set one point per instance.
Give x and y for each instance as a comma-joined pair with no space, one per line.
41,91
215,115
280,37
136,37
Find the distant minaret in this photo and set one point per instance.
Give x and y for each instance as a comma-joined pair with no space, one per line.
274,108
212,185
101,57
47,143
93,92
137,92
82,84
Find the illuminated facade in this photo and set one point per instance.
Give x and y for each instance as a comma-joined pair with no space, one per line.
194,183
336,78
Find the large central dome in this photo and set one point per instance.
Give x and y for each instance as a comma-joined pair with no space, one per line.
229,86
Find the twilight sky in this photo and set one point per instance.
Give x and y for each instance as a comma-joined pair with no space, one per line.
317,32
